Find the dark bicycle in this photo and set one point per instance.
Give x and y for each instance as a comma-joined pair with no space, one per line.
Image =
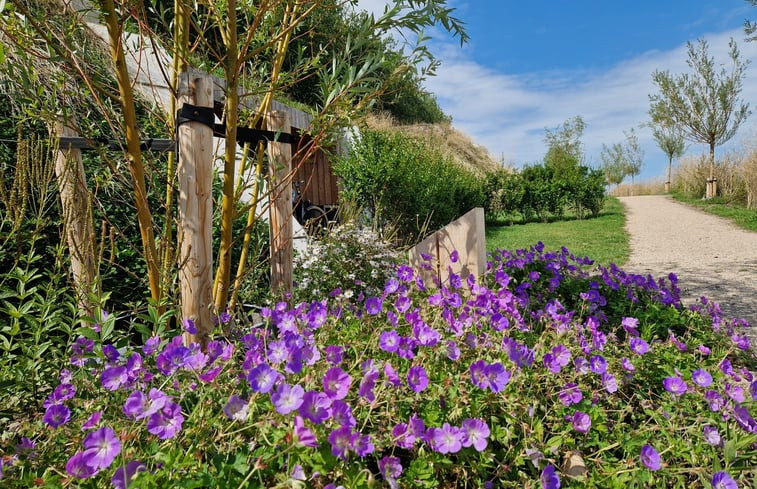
312,217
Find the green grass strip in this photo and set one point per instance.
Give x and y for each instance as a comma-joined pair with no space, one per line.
603,239
736,213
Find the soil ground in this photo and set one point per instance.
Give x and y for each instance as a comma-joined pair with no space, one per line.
710,256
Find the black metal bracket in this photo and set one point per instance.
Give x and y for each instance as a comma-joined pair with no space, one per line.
206,116
193,113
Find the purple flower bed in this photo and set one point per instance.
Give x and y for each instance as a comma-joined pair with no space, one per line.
490,383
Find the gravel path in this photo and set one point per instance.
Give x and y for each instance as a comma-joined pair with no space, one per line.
711,256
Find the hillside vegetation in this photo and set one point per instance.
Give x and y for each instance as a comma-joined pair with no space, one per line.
451,142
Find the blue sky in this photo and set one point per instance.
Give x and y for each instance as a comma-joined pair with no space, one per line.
532,65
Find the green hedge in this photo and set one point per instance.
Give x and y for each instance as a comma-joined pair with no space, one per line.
538,192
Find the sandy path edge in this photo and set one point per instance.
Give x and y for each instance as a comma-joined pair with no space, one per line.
711,256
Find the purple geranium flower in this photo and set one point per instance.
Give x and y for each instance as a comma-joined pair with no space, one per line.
650,458
389,341
405,273
711,435
124,474
675,385
151,345
549,478
77,467
101,448
341,441
92,421
581,422
341,413
63,392
262,378
336,383
721,480
497,376
715,400
476,433
390,467
744,419
304,435
367,384
334,354
57,415
417,378
236,408
373,305
315,406
735,392
287,398
609,382
638,345
166,423
570,394
403,436
598,364
362,444
447,439
701,377
556,360
113,378
189,325
478,374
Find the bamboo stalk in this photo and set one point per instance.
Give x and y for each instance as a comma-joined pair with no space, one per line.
136,168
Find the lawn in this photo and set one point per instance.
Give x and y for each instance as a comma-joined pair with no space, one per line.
737,214
603,238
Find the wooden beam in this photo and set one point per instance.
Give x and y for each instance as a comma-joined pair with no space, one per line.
195,179
77,220
281,229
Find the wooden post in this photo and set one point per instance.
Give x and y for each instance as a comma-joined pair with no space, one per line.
281,229
195,175
77,220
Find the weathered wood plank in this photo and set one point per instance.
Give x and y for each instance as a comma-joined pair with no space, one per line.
281,228
195,176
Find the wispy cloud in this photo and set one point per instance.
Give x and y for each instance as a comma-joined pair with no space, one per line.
508,113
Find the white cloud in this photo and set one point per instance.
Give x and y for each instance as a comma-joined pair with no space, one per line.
508,113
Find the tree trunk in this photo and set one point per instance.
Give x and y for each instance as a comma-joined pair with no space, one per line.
712,182
670,168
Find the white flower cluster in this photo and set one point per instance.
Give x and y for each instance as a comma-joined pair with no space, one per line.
350,258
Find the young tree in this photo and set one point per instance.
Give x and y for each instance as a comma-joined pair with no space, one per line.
614,163
634,155
564,147
671,143
703,105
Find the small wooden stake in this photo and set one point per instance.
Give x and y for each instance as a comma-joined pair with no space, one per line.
195,174
77,220
281,229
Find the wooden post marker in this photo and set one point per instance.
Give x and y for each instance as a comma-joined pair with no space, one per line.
77,219
195,174
281,229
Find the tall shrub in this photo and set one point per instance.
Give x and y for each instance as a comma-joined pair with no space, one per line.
406,182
